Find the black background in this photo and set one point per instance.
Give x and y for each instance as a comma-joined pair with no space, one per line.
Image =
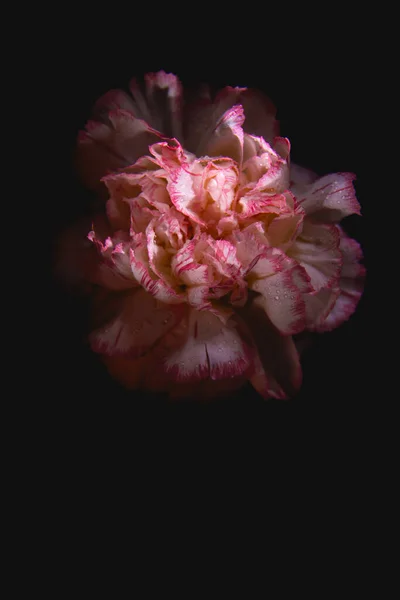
320,80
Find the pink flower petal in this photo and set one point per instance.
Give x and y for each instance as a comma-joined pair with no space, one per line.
256,204
277,371
105,148
171,229
111,269
226,260
159,258
249,248
284,229
260,114
145,276
227,139
351,284
352,255
220,178
227,225
111,101
129,372
180,188
201,347
201,117
265,383
282,297
348,299
186,268
317,250
197,296
266,172
121,187
281,145
318,306
138,321
164,99
170,155
330,198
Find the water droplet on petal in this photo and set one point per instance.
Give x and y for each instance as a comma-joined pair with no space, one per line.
276,297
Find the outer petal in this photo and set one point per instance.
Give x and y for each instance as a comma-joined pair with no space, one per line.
282,297
351,284
104,148
112,101
201,118
352,255
350,294
122,187
113,270
138,321
83,259
277,371
202,347
161,103
318,306
134,373
317,250
227,139
129,372
330,198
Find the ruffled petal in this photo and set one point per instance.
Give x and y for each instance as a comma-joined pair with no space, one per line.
249,247
202,348
186,268
346,303
201,117
110,102
104,148
113,270
351,284
277,371
352,256
317,250
282,293
256,204
149,280
138,320
183,197
330,198
160,103
318,306
227,139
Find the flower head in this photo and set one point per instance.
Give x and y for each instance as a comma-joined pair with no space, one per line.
212,250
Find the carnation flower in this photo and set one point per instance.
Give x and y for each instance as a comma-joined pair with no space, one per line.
211,250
